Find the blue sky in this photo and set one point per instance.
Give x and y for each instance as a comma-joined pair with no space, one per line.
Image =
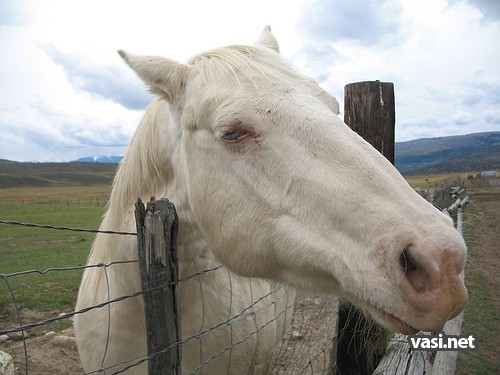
65,93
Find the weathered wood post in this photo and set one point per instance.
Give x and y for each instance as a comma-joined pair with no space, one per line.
157,239
369,110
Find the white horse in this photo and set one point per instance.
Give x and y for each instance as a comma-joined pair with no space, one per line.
270,183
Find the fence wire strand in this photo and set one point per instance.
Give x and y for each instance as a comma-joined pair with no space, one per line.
45,226
103,304
19,319
71,268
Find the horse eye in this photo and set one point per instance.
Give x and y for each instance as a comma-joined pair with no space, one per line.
233,135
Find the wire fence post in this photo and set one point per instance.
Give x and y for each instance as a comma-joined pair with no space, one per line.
157,238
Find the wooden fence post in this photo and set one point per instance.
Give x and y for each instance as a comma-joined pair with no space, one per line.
157,239
369,110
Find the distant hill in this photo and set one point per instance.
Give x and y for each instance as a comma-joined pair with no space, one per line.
463,153
100,159
16,174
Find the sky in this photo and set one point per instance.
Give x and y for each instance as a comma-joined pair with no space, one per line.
65,93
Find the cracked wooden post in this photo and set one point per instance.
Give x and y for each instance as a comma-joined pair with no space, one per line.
157,238
370,111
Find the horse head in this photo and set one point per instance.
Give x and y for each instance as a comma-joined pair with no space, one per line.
259,164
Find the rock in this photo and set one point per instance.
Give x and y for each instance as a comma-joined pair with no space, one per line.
6,364
4,338
297,335
17,336
65,341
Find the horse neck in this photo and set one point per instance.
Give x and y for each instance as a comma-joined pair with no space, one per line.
146,171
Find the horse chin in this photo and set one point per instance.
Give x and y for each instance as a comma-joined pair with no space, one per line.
392,322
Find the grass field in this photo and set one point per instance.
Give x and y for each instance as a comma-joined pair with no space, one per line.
431,181
97,194
23,249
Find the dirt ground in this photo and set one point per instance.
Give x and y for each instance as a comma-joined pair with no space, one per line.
56,354
305,350
486,259
486,236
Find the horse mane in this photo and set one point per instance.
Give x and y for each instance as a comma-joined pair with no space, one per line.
235,63
145,168
241,63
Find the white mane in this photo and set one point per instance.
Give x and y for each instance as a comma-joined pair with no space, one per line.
250,62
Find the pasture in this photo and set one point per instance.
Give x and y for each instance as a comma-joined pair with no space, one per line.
435,180
23,249
41,296
26,249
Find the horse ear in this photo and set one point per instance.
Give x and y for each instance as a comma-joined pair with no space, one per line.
164,77
267,39
330,101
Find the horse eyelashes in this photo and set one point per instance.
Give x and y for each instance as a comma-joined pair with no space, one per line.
233,135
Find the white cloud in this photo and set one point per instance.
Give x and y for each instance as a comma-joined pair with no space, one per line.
64,92
443,61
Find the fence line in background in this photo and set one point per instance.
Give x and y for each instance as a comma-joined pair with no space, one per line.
400,359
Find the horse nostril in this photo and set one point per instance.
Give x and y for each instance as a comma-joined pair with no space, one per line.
414,272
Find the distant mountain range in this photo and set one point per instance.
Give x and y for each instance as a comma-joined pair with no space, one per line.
100,159
462,153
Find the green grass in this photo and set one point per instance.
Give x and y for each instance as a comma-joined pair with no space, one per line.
24,249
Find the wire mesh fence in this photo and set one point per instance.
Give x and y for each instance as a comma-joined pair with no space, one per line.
305,348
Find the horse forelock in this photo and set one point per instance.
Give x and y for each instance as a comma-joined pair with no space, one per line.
238,63
227,68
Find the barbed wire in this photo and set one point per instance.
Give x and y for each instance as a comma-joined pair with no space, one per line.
46,226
